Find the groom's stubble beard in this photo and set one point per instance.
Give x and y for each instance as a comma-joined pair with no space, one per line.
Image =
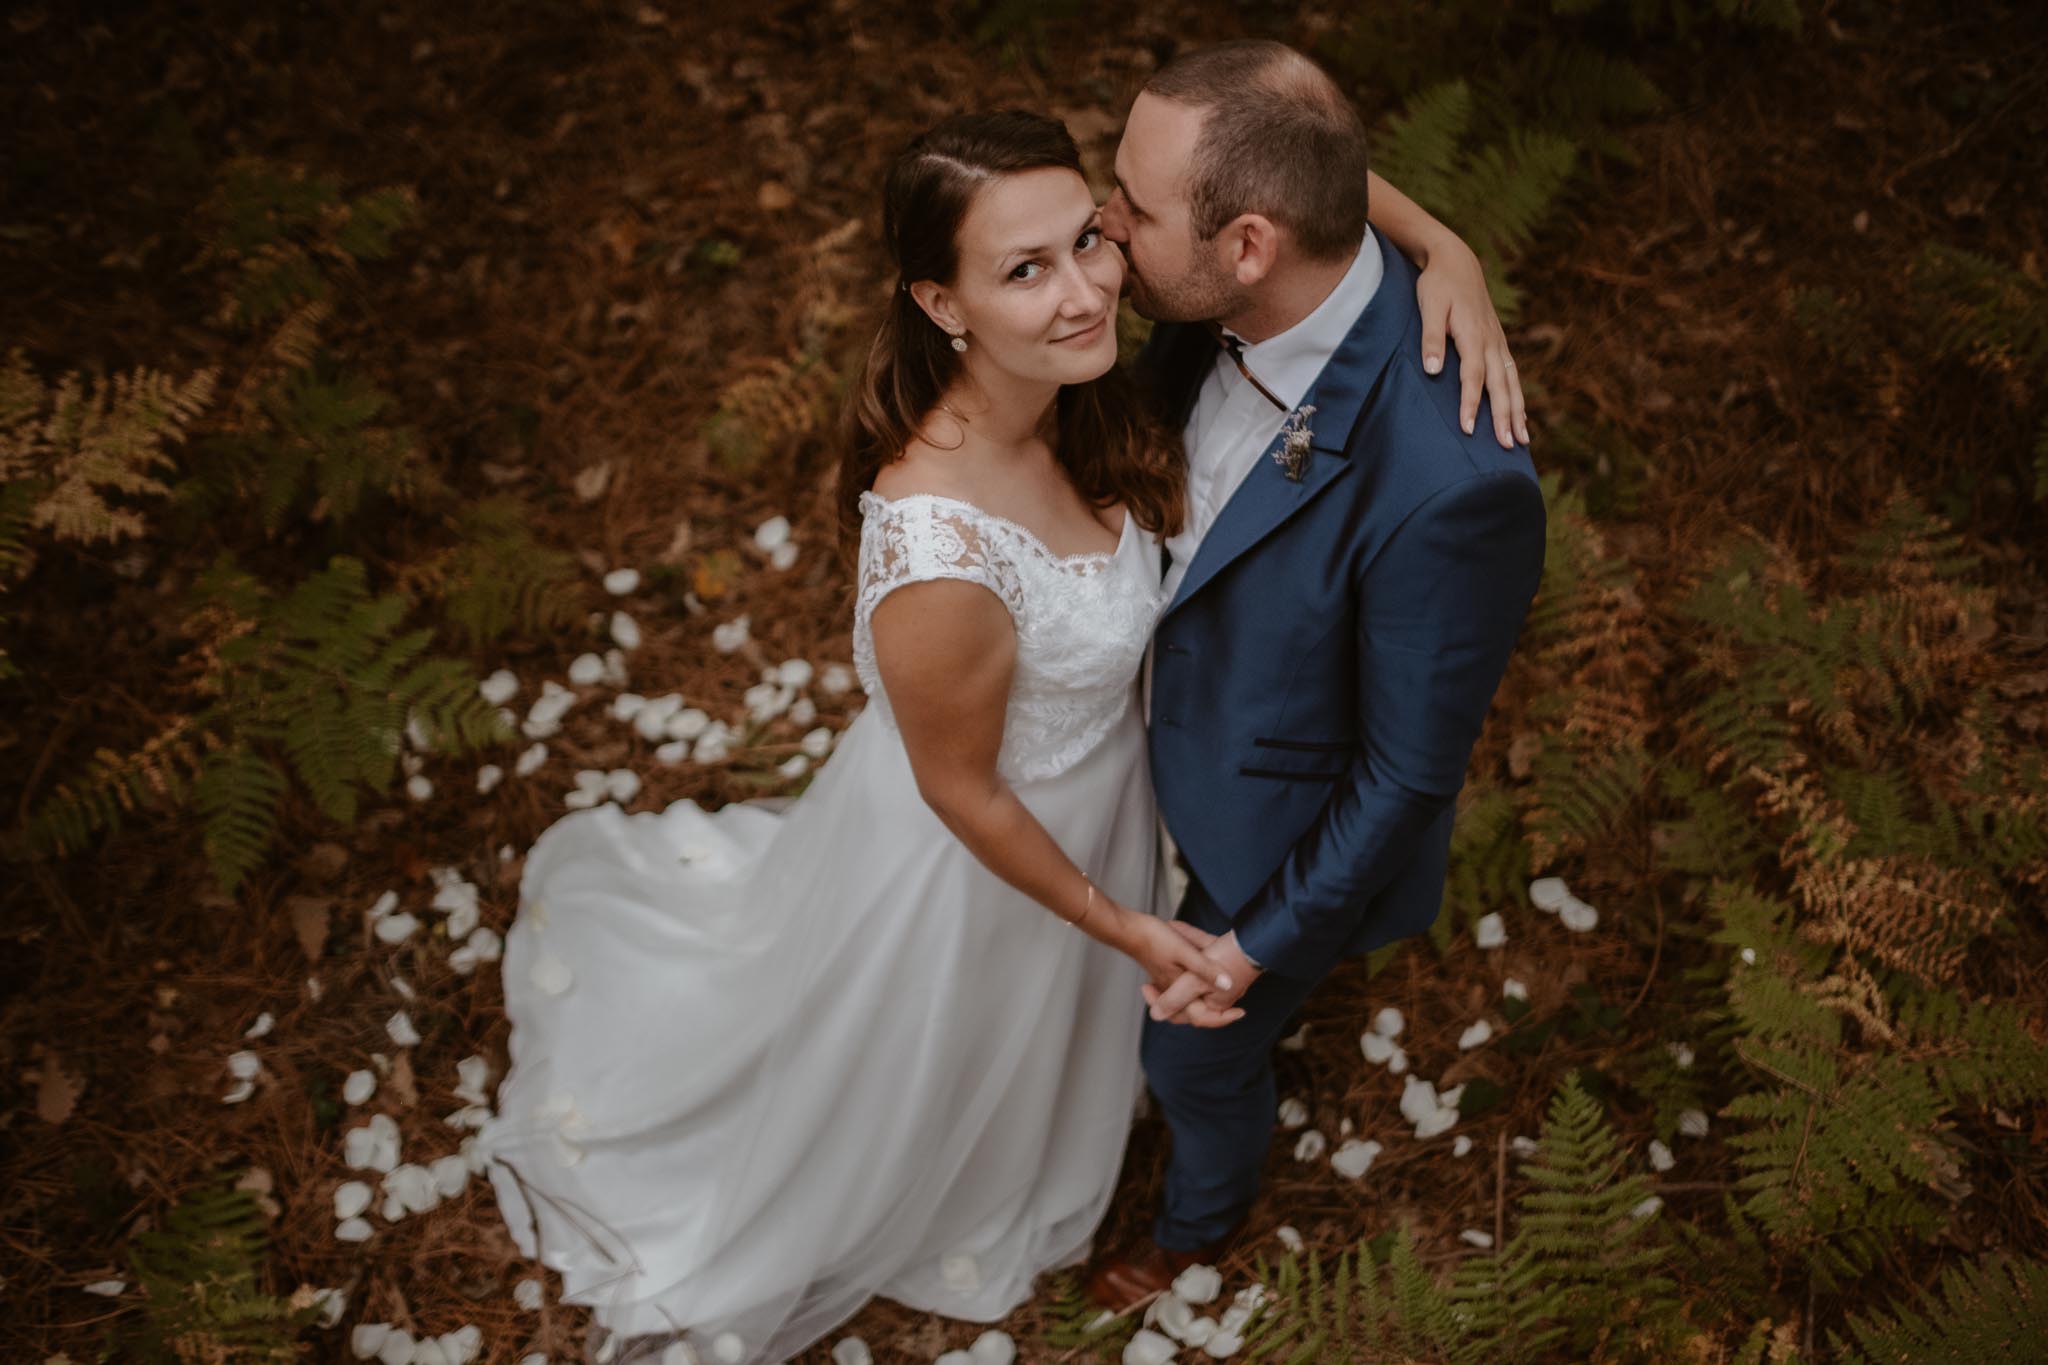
1200,293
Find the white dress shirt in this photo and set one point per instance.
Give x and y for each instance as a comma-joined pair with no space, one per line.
1232,423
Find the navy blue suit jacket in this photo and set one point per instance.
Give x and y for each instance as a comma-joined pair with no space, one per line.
1323,669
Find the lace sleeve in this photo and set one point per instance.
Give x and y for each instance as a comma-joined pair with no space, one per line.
923,537
916,539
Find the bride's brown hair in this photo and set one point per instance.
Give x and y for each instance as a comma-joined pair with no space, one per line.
1105,440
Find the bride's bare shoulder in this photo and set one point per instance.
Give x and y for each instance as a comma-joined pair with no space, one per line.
924,468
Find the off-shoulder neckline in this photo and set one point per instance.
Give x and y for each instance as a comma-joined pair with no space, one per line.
869,496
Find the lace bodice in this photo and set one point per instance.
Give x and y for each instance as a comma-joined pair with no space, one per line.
1082,620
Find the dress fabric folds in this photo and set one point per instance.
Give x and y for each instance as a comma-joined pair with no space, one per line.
766,1064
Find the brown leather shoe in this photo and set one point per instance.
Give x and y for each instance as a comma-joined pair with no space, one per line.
1142,1268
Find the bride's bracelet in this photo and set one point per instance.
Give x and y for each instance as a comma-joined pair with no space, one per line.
1076,920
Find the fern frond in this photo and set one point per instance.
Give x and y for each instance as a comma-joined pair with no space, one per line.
1984,1311
200,1273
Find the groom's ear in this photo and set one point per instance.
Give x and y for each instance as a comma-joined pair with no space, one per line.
1251,244
931,296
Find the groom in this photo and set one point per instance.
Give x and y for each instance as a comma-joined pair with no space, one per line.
1342,602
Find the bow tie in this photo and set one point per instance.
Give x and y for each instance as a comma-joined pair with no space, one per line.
1234,348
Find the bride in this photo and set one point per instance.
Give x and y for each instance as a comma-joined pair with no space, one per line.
767,1065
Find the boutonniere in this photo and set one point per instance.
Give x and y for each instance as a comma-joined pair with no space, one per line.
1295,435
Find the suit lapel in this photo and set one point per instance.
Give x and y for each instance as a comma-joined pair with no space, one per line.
1267,497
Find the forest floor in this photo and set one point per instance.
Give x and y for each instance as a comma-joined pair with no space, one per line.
624,215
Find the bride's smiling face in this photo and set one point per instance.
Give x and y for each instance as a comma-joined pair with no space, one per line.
1036,289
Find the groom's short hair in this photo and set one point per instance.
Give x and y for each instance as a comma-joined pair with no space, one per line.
1278,138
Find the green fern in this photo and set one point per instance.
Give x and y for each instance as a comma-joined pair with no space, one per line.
1489,860
1983,309
499,577
1985,1312
282,230
1077,1323
201,1275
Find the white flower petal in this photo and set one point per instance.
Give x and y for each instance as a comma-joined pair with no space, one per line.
793,767
1477,1034
818,742
1512,989
499,688
1692,1123
399,1026
1474,1237
803,713
1310,1146
1548,894
1147,1347
836,680
528,1295
488,777
530,760
450,1175
1377,1047
993,1347
1354,1158
1437,1122
625,630
732,635
243,1066
1523,1146
1681,1053
782,558
359,1086
1290,1237
1660,1156
1397,1063
354,1230
239,1091
265,1022
1293,1113
619,582
852,1351
1490,932
1170,1314
1388,1023
1198,1284
419,787
367,1338
729,1349
587,670
772,533
622,784
398,1348
615,668
463,1344
351,1197
105,1288
1577,916
1223,1345
396,928
1461,1145
1418,1099
1647,1208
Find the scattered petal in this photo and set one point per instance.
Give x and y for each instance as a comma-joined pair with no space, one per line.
782,558
1548,894
1418,1099
398,1348
353,1230
1388,1023
1749,956
1523,1146
793,767
732,635
396,928
241,1090
1147,1347
265,1022
1461,1145
1170,1313
1310,1146
1647,1208
487,777
499,688
615,668
993,1347
627,705
687,723
836,680
1290,1237
803,712
852,1351
359,1086
772,533
1681,1053
1293,1114
1660,1156
1223,1345
1577,916
1437,1122
351,1197
418,787
587,670
530,760
550,974
622,784
1397,1063
243,1066
672,753
528,1295
367,1338
1354,1158
1511,989
729,1349
818,742
1490,932
625,630
399,1026
450,1174
1377,1047
1198,1284
1476,1034
472,1073
1474,1237
1692,1123
105,1288
619,582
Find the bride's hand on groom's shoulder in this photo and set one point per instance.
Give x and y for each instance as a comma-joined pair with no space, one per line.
1451,294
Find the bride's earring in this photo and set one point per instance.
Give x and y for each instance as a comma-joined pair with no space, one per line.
959,342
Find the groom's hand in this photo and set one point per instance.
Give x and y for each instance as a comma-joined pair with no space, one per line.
1195,998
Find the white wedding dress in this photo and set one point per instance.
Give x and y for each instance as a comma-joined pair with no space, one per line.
765,1065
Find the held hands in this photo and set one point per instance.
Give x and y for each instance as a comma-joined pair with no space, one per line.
1194,995
1452,296
1172,955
